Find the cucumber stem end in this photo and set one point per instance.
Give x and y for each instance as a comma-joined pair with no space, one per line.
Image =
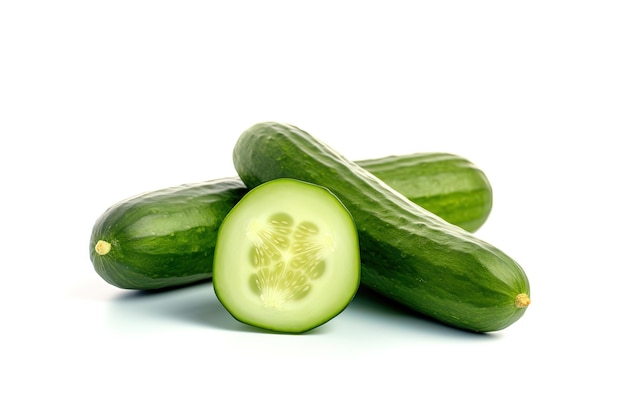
102,247
522,300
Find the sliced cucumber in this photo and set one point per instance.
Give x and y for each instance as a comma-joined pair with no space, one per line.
286,257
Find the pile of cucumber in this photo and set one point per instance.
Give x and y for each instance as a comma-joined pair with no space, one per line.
289,242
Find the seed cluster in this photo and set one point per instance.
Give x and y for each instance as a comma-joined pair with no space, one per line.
287,257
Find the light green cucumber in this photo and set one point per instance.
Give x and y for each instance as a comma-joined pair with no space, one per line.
287,257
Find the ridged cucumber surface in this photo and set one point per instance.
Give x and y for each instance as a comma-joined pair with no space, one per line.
408,254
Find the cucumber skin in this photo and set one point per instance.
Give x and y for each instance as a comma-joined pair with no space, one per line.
171,260
177,255
408,254
445,184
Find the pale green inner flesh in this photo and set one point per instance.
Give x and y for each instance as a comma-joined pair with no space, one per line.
287,257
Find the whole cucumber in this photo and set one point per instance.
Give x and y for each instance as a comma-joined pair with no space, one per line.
408,254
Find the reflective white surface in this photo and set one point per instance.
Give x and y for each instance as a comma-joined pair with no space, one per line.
99,102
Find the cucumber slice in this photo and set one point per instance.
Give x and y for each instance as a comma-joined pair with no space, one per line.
287,257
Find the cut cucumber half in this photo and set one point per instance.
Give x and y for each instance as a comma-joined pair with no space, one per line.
287,257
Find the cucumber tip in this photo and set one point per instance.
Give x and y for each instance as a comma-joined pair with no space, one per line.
522,300
102,247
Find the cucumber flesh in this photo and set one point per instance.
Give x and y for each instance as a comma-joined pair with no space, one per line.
287,257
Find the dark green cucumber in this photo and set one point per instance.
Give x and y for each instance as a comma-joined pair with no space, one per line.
407,253
166,238
445,184
287,257
163,238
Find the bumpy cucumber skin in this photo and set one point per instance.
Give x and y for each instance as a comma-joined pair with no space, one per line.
445,184
408,254
164,238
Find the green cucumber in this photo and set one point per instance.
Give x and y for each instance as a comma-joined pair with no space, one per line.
166,238
287,257
445,184
163,238
408,254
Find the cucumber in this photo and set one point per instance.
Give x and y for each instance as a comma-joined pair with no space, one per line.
166,238
287,257
408,254
445,184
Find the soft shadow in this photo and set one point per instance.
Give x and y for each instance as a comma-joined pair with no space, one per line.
194,304
198,305
376,308
173,288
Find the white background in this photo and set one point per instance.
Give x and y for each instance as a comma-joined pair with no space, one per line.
103,100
